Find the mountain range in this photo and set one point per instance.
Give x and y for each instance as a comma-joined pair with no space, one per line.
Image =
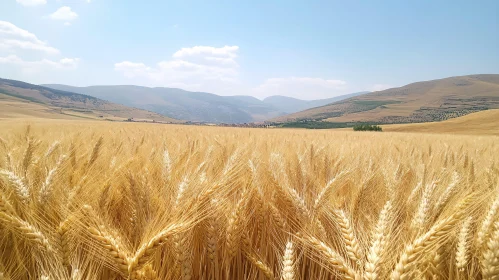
426,101
20,99
419,102
200,106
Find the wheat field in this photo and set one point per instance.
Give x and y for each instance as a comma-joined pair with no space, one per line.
100,200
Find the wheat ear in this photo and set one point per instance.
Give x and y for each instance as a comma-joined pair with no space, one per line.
347,232
147,273
484,230
95,152
112,246
52,148
211,236
20,188
378,244
47,184
235,227
333,258
421,217
277,217
435,265
182,253
21,227
148,249
490,261
263,267
463,244
288,262
326,191
446,195
28,155
409,257
63,238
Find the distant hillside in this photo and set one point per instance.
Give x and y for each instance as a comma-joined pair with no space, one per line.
480,123
427,101
196,106
23,99
290,105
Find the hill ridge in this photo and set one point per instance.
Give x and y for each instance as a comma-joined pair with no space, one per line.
196,106
55,102
425,101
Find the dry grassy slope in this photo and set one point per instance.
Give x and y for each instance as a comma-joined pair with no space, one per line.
427,101
19,100
480,123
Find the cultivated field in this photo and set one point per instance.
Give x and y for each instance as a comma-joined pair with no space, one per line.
97,200
480,123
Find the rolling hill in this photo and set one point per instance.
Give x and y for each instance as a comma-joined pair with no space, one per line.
290,105
480,123
20,100
426,101
199,106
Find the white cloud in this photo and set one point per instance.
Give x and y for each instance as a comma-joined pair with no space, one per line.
31,3
302,88
17,44
200,67
64,13
225,56
379,87
40,65
13,38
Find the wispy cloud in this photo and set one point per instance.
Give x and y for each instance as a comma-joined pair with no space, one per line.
17,43
193,67
13,38
64,13
40,65
31,3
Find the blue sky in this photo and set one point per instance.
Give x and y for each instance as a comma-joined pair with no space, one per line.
304,49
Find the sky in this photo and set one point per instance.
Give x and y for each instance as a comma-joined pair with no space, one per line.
303,49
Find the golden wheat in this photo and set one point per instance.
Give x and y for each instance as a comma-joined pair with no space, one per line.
96,200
